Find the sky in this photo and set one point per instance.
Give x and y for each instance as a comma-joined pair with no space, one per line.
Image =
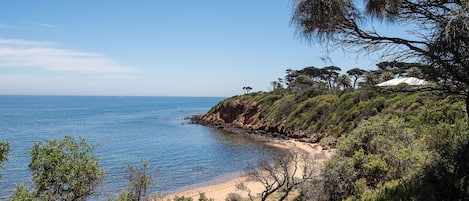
153,47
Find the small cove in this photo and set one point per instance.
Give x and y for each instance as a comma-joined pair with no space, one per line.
126,130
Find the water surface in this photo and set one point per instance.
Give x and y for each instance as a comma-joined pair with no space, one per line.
126,130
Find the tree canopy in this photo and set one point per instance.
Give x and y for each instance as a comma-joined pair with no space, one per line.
64,170
4,150
438,33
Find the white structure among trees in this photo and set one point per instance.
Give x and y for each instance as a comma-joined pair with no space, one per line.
412,81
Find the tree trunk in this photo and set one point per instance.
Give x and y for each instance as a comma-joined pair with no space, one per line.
285,195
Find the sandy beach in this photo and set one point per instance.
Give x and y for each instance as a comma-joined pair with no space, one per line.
219,190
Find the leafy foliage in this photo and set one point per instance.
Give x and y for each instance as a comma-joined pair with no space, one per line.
139,181
412,157
177,198
381,150
202,197
22,193
313,114
233,197
437,34
64,170
4,150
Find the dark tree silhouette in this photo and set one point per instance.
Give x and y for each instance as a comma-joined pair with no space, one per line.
355,74
247,89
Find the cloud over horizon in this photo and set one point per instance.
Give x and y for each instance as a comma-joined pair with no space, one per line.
19,53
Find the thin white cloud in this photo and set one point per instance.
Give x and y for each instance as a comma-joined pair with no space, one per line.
35,25
15,53
27,25
24,43
47,25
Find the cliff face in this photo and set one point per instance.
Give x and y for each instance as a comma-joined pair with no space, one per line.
314,116
247,113
241,113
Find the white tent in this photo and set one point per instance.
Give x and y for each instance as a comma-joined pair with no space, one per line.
412,81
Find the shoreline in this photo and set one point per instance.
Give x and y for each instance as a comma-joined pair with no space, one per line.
219,187
214,181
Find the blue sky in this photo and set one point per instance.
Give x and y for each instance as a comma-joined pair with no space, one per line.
152,47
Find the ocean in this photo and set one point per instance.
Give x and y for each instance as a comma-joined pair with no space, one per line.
126,131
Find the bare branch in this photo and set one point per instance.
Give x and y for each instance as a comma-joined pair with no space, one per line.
284,172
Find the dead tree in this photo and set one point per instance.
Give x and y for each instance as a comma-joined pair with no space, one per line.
282,174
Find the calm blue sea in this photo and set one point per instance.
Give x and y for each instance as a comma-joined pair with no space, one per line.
126,130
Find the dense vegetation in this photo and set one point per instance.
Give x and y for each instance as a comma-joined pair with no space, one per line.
416,147
62,170
318,105
436,33
4,150
312,114
398,143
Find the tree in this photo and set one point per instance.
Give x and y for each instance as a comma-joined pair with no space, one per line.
370,78
438,33
139,181
326,74
284,173
247,89
356,74
290,76
4,150
330,73
414,72
64,170
317,74
277,84
301,83
387,75
394,67
343,82
401,68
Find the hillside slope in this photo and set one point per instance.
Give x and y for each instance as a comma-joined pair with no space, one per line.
314,116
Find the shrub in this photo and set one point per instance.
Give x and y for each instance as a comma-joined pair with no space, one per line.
65,170
177,198
233,197
4,150
380,150
22,193
202,197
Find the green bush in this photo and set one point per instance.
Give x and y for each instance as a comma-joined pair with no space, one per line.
22,193
395,190
202,197
65,170
380,150
4,150
177,198
233,197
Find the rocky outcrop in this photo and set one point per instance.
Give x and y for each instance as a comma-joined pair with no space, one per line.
235,112
244,117
241,113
